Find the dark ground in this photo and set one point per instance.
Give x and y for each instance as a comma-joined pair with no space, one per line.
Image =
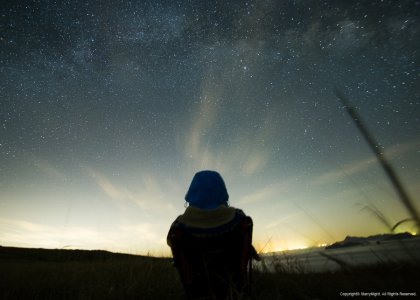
78,274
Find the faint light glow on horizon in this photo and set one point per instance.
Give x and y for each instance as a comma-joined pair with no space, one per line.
292,248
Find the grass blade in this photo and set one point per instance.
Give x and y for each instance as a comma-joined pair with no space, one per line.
405,199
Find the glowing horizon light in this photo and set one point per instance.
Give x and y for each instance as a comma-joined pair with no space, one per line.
297,248
266,251
292,248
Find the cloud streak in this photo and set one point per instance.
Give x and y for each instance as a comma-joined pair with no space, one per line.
140,237
266,193
148,195
362,165
230,148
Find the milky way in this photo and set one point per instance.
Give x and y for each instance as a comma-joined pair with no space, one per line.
108,109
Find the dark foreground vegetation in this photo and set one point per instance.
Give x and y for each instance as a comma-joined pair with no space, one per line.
76,274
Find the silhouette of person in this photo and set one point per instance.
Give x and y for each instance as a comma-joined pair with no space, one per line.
211,242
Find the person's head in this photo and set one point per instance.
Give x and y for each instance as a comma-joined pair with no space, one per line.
207,190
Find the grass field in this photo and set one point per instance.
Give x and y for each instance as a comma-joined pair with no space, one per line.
76,274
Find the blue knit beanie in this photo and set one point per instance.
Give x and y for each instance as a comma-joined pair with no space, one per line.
207,190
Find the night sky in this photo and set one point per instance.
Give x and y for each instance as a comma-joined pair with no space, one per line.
108,108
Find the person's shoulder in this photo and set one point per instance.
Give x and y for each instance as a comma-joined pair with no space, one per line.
240,212
176,221
243,218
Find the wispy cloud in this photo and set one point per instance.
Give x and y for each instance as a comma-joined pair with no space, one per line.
118,194
290,218
148,195
197,147
255,162
346,170
244,153
265,193
362,165
30,234
48,169
140,237
213,140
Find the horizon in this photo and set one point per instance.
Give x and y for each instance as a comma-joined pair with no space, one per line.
108,111
323,246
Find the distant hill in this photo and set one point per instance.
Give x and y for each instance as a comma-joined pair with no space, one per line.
63,254
351,241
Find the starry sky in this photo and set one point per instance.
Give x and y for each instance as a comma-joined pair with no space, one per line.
108,108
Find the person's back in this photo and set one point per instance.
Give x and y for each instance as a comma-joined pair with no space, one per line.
211,242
